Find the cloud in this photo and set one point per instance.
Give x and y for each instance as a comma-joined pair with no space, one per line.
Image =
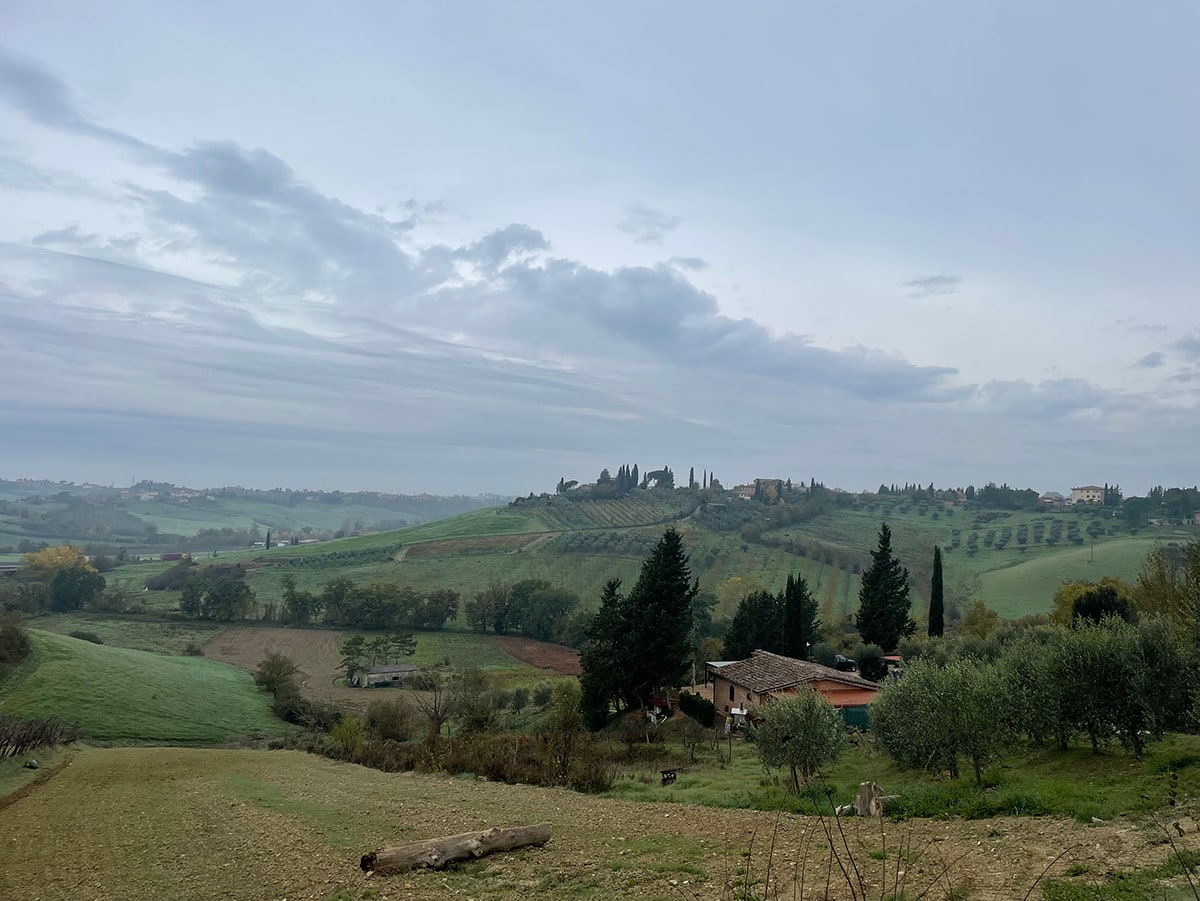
47,101
1189,346
1151,361
347,332
647,225
932,285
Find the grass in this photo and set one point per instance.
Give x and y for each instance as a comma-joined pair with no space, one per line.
135,633
123,695
469,551
1074,783
14,776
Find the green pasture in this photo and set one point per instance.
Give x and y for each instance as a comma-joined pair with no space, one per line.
134,633
123,695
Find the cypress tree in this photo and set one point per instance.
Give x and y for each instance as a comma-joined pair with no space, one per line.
883,603
801,618
937,614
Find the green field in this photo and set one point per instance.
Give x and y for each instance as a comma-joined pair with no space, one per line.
135,633
122,695
507,544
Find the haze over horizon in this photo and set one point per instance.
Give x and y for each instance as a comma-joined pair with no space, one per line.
473,248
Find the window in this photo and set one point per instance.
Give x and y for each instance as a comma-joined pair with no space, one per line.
731,692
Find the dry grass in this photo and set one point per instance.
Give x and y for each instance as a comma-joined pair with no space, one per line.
200,824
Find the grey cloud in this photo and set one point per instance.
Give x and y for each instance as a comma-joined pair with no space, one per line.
503,245
1151,360
695,264
932,285
47,101
1136,327
1189,346
647,225
1048,400
23,177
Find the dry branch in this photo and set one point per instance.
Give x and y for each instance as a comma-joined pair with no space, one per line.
436,853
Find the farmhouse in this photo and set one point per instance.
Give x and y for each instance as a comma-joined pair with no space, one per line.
764,676
1087,494
372,676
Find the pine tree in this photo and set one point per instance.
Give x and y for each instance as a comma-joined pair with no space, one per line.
691,477
937,613
801,618
633,479
757,624
883,603
642,641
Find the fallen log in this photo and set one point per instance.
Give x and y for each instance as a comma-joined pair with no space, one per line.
435,853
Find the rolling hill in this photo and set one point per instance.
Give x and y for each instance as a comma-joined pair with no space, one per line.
117,694
1014,561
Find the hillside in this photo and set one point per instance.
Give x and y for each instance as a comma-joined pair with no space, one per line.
117,694
580,544
159,516
199,824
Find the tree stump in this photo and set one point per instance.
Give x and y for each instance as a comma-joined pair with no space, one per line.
870,800
436,853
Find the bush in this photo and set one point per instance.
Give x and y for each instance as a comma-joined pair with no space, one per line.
348,737
14,643
542,693
700,709
193,650
871,664
391,720
520,699
86,636
273,672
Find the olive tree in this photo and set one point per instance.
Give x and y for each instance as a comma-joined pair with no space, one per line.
801,733
936,716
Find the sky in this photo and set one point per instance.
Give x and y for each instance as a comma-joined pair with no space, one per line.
476,247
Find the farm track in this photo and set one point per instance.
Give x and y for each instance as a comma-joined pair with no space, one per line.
199,824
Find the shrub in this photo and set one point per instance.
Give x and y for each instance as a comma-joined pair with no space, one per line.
542,693
83,635
871,664
193,650
14,643
392,720
348,737
520,699
700,709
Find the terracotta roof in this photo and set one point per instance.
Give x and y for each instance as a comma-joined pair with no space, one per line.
763,671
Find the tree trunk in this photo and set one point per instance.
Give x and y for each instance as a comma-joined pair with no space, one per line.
436,853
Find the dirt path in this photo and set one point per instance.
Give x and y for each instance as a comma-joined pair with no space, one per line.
199,824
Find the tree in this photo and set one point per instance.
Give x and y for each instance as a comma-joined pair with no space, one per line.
801,618
643,641
937,612
354,651
75,587
434,700
980,621
936,715
757,624
217,593
45,564
1069,593
273,672
658,619
562,728
883,603
300,607
802,733
1102,601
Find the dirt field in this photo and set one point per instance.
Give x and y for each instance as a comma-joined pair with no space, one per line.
200,824
542,654
314,650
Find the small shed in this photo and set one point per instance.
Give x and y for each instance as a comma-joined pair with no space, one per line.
375,676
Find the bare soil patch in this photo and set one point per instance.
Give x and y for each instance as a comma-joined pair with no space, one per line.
544,655
315,651
199,824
